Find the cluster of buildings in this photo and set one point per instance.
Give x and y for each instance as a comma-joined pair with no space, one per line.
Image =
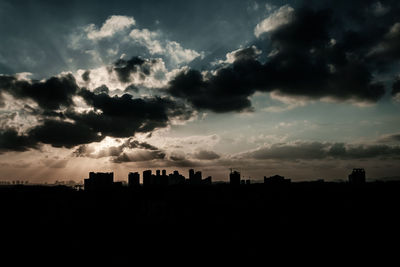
105,180
357,176
234,179
15,182
161,178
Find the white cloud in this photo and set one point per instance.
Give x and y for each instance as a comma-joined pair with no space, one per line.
23,76
352,101
267,138
179,54
232,56
394,31
396,97
17,113
190,144
276,19
149,39
111,26
152,40
388,43
290,102
123,38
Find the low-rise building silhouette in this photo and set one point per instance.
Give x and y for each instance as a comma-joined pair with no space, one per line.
357,176
195,178
164,178
207,181
176,178
133,179
147,178
157,178
234,178
276,179
99,181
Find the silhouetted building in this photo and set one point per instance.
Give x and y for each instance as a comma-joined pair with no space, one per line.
133,179
357,176
234,178
276,179
176,178
147,178
157,178
207,181
118,185
164,178
194,177
197,177
191,174
99,181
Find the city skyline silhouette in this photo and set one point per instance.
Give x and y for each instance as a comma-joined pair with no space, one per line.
207,132
106,222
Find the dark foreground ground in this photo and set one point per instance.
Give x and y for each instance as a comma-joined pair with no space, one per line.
201,224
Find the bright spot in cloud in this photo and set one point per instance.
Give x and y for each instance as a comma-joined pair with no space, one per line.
111,26
276,19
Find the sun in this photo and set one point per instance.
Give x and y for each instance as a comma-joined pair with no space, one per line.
107,142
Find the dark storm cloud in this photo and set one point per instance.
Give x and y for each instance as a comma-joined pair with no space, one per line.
222,93
206,155
314,55
177,156
50,94
10,140
54,132
390,138
82,151
228,90
184,163
366,151
131,89
388,49
103,89
64,134
142,145
308,64
124,116
396,87
395,137
314,150
139,156
112,116
318,150
86,76
124,68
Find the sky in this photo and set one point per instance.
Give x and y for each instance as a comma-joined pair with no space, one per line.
304,89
